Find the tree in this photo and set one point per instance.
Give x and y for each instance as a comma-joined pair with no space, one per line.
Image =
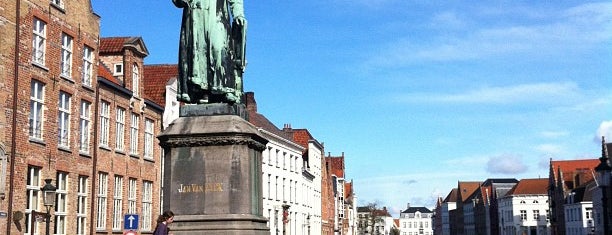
372,219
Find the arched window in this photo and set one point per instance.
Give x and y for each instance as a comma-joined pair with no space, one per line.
135,80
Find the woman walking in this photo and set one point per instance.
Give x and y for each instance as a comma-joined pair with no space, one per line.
163,221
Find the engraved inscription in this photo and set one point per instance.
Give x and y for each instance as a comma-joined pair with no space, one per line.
200,188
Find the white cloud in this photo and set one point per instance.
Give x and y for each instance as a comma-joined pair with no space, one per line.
560,32
523,93
506,164
554,134
447,20
605,129
550,149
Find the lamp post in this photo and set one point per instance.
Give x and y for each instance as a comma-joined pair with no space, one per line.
603,178
48,200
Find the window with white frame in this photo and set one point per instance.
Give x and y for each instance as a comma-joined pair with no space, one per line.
102,197
33,195
147,205
61,202
135,80
523,214
82,206
104,123
120,129
134,134
58,3
84,125
276,189
66,63
290,191
37,102
132,196
87,65
118,202
148,138
269,186
536,215
63,120
118,69
39,41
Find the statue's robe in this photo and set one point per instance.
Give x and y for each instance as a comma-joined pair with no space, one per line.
206,66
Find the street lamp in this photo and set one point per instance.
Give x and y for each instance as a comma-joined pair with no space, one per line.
48,200
603,178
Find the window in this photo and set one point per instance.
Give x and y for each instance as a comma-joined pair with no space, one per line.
276,189
118,202
87,65
82,206
132,196
269,179
39,40
66,63
58,3
104,123
147,205
536,215
523,214
102,194
37,101
118,69
134,135
63,120
589,213
33,194
61,202
120,130
148,138
84,121
135,80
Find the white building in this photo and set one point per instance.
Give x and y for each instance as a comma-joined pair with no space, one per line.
524,209
579,210
416,221
290,177
373,221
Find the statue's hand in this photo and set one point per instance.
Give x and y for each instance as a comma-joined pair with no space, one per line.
241,21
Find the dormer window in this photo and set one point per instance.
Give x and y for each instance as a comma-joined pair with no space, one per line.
118,70
58,3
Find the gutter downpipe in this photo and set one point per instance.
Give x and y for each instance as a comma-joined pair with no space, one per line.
95,159
14,121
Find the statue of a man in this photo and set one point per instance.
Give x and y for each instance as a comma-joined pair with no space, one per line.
211,51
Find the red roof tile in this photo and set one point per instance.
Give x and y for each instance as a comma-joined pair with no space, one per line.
105,72
113,44
155,79
466,189
574,169
337,165
530,187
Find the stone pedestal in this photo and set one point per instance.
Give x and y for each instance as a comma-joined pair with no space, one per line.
212,176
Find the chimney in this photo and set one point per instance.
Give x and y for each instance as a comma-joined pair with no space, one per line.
407,205
251,104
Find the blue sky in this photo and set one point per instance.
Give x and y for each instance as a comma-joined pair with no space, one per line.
418,94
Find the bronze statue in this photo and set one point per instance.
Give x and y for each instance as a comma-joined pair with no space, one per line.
211,51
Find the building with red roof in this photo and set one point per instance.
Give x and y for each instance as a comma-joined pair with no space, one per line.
524,209
564,176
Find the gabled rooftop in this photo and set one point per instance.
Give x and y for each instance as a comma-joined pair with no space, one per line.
466,189
417,209
530,187
116,45
156,78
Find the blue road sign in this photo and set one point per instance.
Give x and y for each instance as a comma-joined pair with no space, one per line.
130,222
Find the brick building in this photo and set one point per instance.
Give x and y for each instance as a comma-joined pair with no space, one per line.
48,52
59,122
